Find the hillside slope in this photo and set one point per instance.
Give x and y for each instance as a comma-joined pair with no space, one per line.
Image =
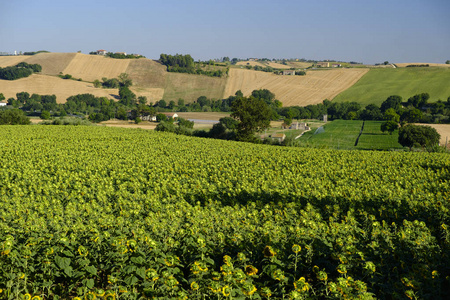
294,90
378,84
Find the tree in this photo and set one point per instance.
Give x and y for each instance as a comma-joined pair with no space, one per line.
180,102
45,115
394,102
13,117
448,62
419,100
415,136
386,63
127,97
2,97
229,123
389,126
162,103
391,115
124,80
161,118
253,115
142,100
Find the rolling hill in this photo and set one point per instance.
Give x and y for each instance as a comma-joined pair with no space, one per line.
312,88
151,79
380,83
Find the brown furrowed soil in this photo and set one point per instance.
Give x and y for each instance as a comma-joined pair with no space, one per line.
92,67
312,88
52,85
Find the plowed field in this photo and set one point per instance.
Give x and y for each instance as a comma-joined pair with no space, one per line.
294,90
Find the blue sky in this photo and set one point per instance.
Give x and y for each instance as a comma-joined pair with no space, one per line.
348,30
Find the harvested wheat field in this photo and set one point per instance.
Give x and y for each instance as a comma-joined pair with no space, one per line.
190,87
52,85
312,88
92,67
152,94
278,66
250,63
147,73
52,63
403,65
11,60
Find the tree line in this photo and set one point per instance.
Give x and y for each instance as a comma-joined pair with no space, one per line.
20,70
185,64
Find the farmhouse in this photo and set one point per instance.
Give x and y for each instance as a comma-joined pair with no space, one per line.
101,52
323,64
278,137
288,72
122,53
301,126
148,118
171,115
336,65
3,103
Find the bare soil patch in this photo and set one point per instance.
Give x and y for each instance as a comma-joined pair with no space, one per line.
312,88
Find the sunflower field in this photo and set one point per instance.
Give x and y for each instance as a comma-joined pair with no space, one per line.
113,213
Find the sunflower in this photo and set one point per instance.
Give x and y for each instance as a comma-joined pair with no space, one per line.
296,248
226,290
251,270
269,252
90,296
26,297
194,286
110,296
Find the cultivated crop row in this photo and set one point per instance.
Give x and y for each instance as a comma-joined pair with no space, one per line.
127,214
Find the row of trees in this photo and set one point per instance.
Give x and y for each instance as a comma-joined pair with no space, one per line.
185,64
20,70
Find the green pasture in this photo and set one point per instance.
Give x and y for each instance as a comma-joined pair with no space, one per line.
373,139
380,83
342,134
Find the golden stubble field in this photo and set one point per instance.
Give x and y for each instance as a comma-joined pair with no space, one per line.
52,85
92,67
403,65
312,88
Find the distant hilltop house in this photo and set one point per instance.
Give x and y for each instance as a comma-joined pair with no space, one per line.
252,59
101,52
336,65
121,53
288,72
323,64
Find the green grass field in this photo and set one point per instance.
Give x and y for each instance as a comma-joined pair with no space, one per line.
342,134
378,84
373,139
